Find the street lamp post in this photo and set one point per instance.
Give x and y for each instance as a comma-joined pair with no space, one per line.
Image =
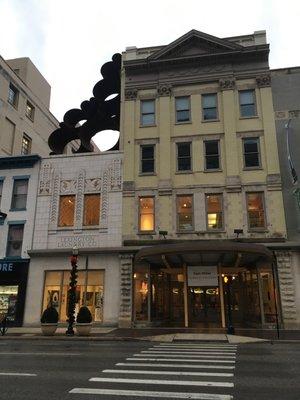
72,292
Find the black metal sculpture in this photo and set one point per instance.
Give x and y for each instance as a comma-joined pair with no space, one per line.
100,113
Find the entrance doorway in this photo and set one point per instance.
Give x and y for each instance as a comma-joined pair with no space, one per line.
204,306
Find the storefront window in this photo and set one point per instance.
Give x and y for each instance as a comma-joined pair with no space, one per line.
89,292
141,287
8,301
268,297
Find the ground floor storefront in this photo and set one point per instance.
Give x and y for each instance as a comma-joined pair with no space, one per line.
48,283
206,286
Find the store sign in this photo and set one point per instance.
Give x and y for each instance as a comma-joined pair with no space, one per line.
6,267
202,276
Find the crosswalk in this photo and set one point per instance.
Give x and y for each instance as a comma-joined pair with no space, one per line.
188,370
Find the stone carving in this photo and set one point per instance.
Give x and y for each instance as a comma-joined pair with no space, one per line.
68,186
131,94
115,175
126,269
92,185
54,202
280,114
79,199
164,90
263,80
99,113
287,289
104,201
227,83
196,70
45,180
78,241
294,113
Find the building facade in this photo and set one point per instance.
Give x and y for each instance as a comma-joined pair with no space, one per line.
201,173
18,188
25,119
286,98
79,203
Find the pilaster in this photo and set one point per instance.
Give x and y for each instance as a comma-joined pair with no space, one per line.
126,290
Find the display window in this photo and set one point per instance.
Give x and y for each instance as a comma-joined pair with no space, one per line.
8,301
89,292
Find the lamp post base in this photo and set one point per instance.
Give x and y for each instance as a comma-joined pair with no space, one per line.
70,331
230,330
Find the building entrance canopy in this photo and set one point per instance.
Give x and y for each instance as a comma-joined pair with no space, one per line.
212,252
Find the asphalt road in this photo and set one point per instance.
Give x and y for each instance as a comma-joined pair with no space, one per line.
60,370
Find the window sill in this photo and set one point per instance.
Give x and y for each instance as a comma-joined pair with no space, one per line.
87,227
184,172
66,228
147,174
146,233
213,170
186,232
30,119
258,230
252,168
210,120
183,122
148,126
17,209
214,231
250,117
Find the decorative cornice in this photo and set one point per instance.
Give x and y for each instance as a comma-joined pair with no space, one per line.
164,90
263,80
17,162
131,94
227,83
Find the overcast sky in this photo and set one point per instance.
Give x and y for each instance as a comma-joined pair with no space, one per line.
69,40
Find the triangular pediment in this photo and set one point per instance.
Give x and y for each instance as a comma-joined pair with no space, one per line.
195,43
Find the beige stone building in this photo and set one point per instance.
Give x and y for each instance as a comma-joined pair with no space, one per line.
202,183
25,119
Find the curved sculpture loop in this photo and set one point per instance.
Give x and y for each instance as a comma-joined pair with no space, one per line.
101,112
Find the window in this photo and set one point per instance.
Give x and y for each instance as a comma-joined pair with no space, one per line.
91,211
209,107
251,152
26,144
147,112
256,210
214,213
185,213
247,103
1,189
184,156
146,214
66,210
147,158
89,292
182,109
30,111
212,156
13,95
14,240
9,136
19,197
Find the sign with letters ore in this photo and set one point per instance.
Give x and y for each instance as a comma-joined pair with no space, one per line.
6,266
202,276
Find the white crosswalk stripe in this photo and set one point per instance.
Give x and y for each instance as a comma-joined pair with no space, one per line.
188,365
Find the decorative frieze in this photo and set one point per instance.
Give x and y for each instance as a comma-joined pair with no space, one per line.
263,80
286,285
79,199
104,200
164,90
92,185
54,202
126,271
115,175
227,83
45,180
131,94
82,241
68,186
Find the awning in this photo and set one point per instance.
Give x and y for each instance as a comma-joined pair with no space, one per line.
210,252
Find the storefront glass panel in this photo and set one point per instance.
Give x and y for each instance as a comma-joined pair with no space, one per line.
8,301
89,292
204,305
141,287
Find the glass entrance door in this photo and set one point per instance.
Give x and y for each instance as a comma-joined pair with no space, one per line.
204,306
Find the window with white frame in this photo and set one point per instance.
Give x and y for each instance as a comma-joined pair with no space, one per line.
183,112
146,214
256,210
212,155
147,112
14,240
184,159
185,218
214,211
19,195
26,144
147,153
247,103
209,107
30,110
251,152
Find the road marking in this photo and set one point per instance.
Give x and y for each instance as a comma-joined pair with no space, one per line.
179,359
188,352
200,366
39,354
191,348
16,374
141,372
164,354
196,345
141,393
162,382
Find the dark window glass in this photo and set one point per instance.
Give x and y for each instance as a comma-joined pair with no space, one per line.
147,112
209,106
247,103
147,158
182,109
19,197
14,240
13,95
251,153
212,157
183,156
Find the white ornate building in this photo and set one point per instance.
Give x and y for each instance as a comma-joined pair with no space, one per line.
79,203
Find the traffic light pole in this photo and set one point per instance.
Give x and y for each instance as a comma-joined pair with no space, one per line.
72,294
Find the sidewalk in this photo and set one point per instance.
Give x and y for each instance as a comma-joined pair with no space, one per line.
156,334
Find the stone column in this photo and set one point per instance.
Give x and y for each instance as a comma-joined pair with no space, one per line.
126,292
287,289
